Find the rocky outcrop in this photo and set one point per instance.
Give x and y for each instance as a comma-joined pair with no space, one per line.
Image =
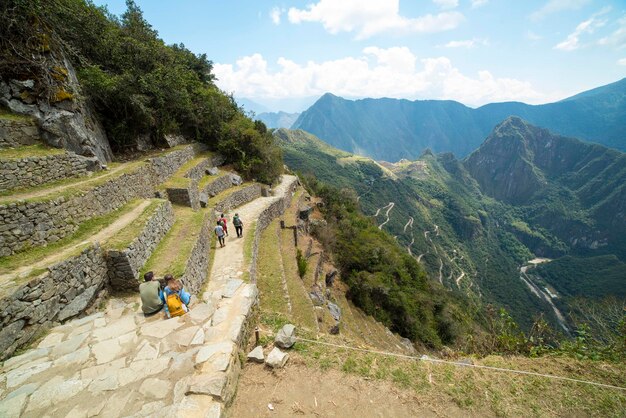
68,121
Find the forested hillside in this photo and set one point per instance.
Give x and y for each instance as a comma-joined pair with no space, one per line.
477,245
141,89
392,129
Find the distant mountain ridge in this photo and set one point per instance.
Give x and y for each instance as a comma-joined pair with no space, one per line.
473,223
392,129
277,120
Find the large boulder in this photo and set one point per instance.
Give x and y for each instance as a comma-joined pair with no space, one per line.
335,311
286,337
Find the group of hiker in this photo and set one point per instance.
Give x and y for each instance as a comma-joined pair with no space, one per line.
221,230
169,293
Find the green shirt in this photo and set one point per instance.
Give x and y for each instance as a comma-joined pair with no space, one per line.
150,300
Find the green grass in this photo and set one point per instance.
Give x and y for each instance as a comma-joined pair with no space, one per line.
123,238
206,180
178,179
37,150
223,195
269,272
172,253
84,231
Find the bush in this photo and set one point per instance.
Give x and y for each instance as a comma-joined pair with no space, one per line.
302,264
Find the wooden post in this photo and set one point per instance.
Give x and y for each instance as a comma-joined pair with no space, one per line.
295,235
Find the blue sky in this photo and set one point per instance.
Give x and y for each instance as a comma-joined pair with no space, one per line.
280,53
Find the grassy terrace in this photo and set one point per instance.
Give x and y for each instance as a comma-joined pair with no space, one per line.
269,272
21,267
37,150
206,180
126,236
72,186
173,251
178,180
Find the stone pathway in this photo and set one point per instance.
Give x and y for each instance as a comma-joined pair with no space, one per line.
121,363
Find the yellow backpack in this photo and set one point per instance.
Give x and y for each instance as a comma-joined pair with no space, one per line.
175,305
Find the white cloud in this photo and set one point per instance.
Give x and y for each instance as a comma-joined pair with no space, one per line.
479,3
380,72
447,4
370,17
275,14
618,37
572,42
621,61
469,43
555,6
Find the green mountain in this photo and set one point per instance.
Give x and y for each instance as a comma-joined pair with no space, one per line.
391,129
474,233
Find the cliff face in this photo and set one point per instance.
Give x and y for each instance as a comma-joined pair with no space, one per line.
67,120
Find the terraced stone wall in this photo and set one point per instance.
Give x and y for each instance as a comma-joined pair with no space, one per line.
32,224
62,292
124,265
15,133
238,198
270,213
197,268
217,186
185,196
35,171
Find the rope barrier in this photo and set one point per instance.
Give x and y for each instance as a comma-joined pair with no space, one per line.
454,363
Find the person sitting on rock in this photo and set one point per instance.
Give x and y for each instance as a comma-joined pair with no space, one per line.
175,298
151,294
219,231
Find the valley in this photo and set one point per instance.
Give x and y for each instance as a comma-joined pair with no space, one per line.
452,217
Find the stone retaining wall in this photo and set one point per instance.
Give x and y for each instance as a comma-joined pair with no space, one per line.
33,224
185,196
124,265
18,132
34,171
62,292
217,186
238,198
274,210
197,268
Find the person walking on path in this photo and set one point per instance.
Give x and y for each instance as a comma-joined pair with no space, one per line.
151,295
219,231
238,225
224,222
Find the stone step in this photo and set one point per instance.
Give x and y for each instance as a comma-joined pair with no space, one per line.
66,280
43,216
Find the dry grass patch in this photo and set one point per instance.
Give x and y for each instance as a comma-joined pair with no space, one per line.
477,390
122,239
